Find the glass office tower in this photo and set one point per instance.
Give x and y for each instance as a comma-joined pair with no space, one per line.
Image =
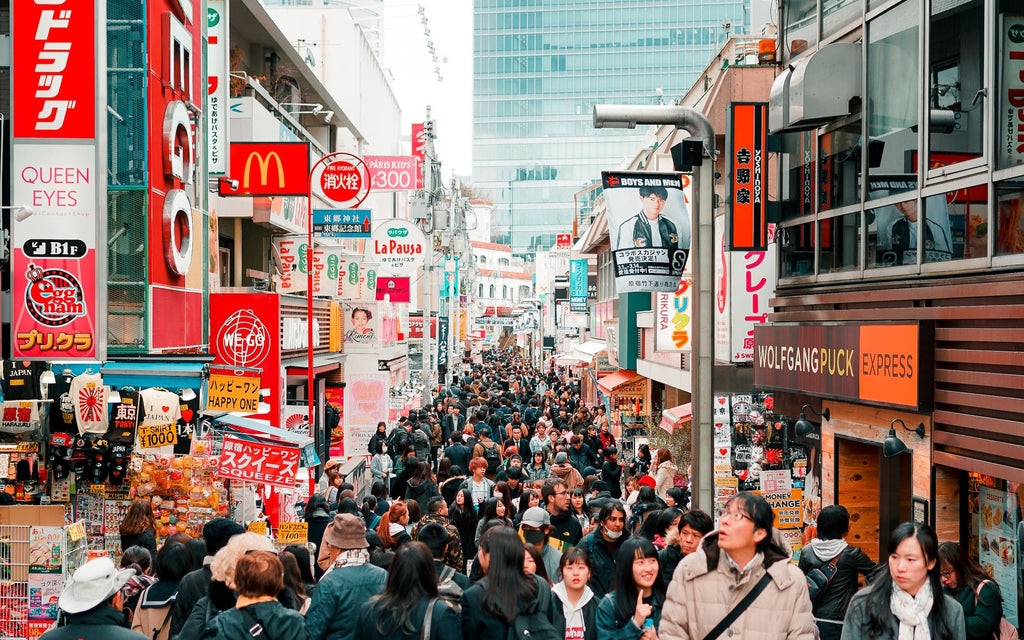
539,66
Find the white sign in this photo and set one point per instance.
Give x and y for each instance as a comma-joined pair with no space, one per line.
1011,91
398,246
291,254
673,315
358,279
723,298
217,85
744,282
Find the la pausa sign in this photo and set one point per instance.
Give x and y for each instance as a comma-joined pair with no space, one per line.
398,245
886,364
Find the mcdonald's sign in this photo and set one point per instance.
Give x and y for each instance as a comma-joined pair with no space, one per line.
267,169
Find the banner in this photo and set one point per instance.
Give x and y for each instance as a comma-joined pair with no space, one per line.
342,223
366,402
723,295
217,85
673,317
326,271
578,285
442,342
649,230
258,462
291,258
1011,91
397,289
358,279
744,282
746,148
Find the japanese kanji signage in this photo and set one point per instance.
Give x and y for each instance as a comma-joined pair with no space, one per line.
341,223
395,287
292,532
217,85
268,169
563,242
344,181
233,393
394,173
418,140
746,146
744,282
245,331
578,285
56,187
258,462
398,246
157,435
649,229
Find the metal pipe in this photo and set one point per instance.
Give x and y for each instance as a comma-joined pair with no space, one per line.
616,116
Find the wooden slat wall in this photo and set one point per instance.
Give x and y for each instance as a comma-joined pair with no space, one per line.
979,355
292,307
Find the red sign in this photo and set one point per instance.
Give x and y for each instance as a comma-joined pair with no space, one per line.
416,327
477,334
258,462
245,331
397,288
54,69
564,242
417,150
748,175
267,169
341,181
394,173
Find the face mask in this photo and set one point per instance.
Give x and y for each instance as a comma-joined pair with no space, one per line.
384,449
533,537
612,535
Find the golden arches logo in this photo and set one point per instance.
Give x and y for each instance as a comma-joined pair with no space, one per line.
264,166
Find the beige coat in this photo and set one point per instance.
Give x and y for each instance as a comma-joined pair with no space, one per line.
705,588
664,478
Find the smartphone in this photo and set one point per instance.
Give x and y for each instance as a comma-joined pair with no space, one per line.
648,624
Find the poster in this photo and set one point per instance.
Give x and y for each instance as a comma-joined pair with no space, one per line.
894,227
334,395
649,230
673,317
258,462
366,402
362,327
997,540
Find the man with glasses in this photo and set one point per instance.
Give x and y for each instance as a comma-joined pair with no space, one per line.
740,559
565,528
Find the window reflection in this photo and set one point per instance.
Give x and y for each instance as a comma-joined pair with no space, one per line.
797,249
797,161
840,167
840,243
1010,217
956,225
799,20
956,75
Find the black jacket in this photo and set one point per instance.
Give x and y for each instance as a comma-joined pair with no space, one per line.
376,440
670,557
589,617
478,623
99,623
566,527
444,623
832,604
192,587
146,540
460,455
611,473
602,560
278,623
582,458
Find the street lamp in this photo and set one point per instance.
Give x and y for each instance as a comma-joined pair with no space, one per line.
893,446
803,427
702,251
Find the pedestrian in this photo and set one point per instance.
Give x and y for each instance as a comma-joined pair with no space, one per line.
830,560
422,486
293,595
152,616
633,609
683,540
504,493
489,451
533,564
656,527
450,582
646,503
90,604
137,558
493,509
641,462
379,437
409,608
458,453
195,584
349,583
305,563
258,578
478,484
317,516
611,471
740,559
538,468
578,508
331,469
578,611
381,465
979,596
602,546
535,530
564,527
437,513
565,471
463,516
664,472
392,529
139,526
506,601
905,599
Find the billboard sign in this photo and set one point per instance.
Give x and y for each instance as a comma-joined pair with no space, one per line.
398,246
746,194
245,331
267,169
393,173
578,285
341,223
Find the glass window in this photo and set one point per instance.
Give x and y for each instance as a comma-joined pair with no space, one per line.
797,166
1010,62
797,250
837,14
1010,217
955,78
800,25
839,156
892,101
956,225
880,251
839,239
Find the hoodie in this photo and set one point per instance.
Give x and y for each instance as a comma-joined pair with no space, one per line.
577,619
566,472
276,621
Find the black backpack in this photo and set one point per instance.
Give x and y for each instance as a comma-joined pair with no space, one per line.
535,625
493,457
820,577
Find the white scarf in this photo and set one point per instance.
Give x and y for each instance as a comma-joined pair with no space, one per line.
827,549
912,612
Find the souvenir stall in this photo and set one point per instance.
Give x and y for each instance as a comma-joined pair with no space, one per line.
628,398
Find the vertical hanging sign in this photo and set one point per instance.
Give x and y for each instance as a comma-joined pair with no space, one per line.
217,84
746,145
58,76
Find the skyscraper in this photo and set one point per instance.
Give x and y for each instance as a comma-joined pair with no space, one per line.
539,66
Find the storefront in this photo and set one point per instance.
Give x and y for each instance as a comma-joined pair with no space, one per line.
628,399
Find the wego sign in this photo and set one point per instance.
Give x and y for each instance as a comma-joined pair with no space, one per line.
267,169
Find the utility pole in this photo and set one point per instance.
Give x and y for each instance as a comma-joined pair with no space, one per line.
428,187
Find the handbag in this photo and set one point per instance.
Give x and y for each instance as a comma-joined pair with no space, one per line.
819,578
740,607
428,617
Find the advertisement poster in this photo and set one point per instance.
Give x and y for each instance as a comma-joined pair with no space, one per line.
259,462
649,229
751,284
245,331
366,401
334,395
578,285
1011,83
362,322
673,315
998,550
295,418
358,279
723,271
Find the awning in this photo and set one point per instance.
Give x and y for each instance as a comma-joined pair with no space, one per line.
597,231
568,360
323,363
141,375
671,418
613,381
591,348
247,427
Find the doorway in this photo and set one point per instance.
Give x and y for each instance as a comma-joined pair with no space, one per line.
875,490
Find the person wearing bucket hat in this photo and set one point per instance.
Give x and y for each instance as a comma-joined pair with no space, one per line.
348,584
91,604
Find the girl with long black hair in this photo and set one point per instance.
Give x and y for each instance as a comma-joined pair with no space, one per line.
978,595
493,509
462,514
905,600
633,608
400,612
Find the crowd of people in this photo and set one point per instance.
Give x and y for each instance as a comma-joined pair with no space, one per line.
504,512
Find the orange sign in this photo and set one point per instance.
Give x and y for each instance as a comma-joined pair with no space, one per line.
748,169
889,363
267,169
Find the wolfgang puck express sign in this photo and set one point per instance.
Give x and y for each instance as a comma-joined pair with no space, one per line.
887,364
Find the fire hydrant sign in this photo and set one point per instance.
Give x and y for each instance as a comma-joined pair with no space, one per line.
233,393
345,181
258,462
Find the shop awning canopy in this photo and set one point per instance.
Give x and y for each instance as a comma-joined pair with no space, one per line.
591,348
568,359
257,430
141,375
613,381
676,415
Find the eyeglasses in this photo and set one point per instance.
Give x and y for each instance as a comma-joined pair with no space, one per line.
735,516
561,493
946,574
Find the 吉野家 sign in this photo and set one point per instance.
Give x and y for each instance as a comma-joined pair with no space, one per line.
341,223
267,169
233,393
259,462
886,364
746,147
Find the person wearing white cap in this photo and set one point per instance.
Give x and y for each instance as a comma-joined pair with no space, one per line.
534,529
91,604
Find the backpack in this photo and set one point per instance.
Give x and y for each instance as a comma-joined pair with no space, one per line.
449,590
493,457
819,578
536,625
1006,630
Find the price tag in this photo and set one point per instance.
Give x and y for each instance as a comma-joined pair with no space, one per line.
258,526
293,532
76,531
158,435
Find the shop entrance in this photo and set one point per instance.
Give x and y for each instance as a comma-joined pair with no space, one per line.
875,490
